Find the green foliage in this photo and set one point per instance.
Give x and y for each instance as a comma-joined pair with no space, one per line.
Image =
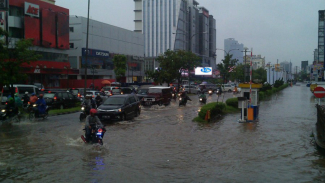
119,66
269,92
172,63
214,107
266,86
224,67
232,102
278,83
260,74
238,73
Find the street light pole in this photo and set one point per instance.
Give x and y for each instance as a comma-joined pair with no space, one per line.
86,58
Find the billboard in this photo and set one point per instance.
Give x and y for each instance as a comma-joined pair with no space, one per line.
63,31
48,28
207,71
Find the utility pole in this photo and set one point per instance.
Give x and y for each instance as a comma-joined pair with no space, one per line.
246,50
277,66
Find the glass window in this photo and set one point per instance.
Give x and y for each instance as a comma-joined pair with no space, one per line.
22,90
71,45
114,101
16,11
132,100
70,95
49,95
59,95
16,32
65,95
71,29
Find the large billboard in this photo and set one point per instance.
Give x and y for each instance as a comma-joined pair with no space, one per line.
48,28
63,31
206,71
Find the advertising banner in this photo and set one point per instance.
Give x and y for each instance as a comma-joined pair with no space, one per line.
206,71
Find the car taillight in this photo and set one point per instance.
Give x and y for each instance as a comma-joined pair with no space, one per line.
100,130
55,98
16,90
93,96
79,95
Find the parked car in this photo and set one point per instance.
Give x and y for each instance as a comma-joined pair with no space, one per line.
191,89
60,99
119,107
158,95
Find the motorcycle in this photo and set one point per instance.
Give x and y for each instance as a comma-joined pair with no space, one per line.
210,92
34,113
96,135
218,92
182,101
174,96
203,100
84,113
8,113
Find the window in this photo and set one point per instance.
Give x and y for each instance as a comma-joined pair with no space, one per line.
65,95
71,29
132,100
71,45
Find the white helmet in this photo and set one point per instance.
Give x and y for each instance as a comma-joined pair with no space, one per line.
26,92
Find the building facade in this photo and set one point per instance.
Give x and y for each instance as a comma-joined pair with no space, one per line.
104,42
47,24
258,62
321,38
176,25
304,65
235,49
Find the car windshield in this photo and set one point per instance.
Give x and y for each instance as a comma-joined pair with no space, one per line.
74,92
114,101
143,91
49,95
155,90
116,90
126,90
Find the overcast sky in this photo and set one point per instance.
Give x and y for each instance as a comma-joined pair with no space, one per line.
275,29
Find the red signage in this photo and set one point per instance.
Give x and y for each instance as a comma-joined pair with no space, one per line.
31,9
319,92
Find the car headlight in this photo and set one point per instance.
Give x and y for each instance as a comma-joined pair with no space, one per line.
118,110
121,93
200,99
82,108
180,98
34,105
3,110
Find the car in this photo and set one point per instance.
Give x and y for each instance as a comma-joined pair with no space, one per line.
191,89
116,91
119,107
39,85
158,95
20,89
60,99
126,90
92,93
227,87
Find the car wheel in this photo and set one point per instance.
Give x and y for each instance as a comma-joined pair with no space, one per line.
61,106
123,117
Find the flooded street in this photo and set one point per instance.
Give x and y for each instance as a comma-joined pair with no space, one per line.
164,145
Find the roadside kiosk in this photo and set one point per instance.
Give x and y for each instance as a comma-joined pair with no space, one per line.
249,109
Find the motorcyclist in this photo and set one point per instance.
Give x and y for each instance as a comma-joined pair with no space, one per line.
235,89
91,122
102,92
18,100
33,98
98,99
41,105
220,90
185,97
203,96
25,98
10,107
89,102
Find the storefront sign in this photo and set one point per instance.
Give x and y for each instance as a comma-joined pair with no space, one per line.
95,53
31,9
203,71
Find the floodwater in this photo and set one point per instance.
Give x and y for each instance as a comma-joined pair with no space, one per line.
164,145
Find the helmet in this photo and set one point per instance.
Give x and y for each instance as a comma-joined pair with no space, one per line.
26,93
40,95
33,94
16,94
92,111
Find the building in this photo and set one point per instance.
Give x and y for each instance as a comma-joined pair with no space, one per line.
286,66
232,47
258,62
304,65
175,25
104,42
321,38
47,24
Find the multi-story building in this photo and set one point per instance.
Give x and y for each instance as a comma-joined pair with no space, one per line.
286,66
304,65
104,42
47,25
321,38
175,25
258,62
232,47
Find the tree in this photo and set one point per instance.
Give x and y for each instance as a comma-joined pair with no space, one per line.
11,60
173,63
237,73
119,66
224,67
260,75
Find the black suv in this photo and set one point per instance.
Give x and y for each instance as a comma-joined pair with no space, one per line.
119,107
60,99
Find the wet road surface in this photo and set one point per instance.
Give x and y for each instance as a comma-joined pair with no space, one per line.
164,145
